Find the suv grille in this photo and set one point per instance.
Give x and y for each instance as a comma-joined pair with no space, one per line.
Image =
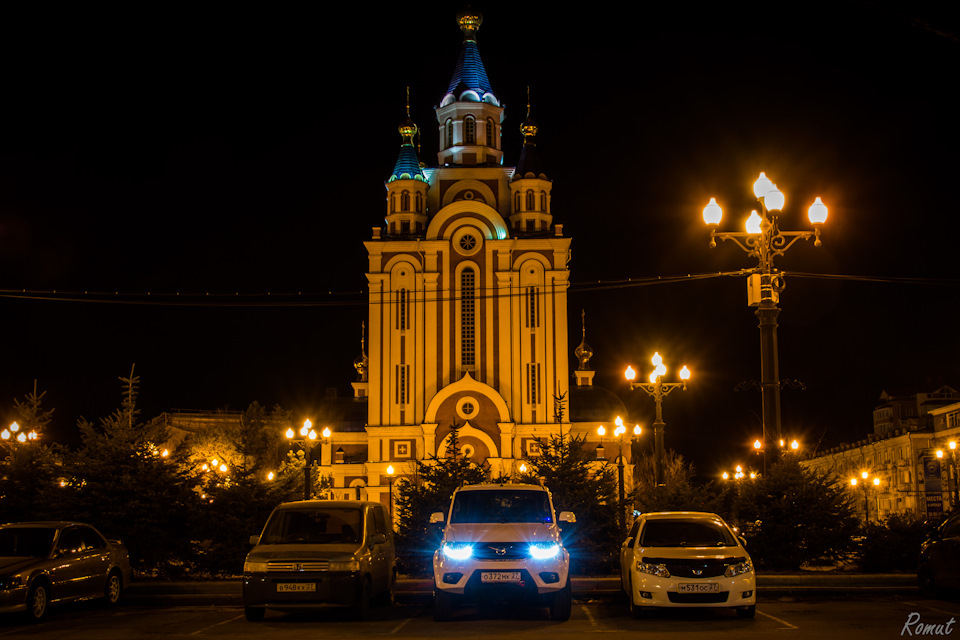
322,565
501,551
689,568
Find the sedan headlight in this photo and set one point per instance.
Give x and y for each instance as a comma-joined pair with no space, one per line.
544,551
659,570
739,568
457,550
344,565
254,567
10,582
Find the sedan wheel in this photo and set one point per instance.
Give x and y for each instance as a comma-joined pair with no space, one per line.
114,588
37,600
747,612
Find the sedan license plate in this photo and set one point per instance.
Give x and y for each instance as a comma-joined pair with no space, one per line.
293,587
709,587
500,576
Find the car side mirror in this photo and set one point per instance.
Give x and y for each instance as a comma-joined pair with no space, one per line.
437,517
254,540
628,542
742,540
567,516
378,538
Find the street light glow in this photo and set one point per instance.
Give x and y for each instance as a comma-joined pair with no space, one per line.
712,213
326,432
757,444
817,213
630,374
390,470
637,430
753,222
762,186
290,434
601,431
774,199
684,373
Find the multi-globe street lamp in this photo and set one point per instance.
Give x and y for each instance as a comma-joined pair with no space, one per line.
658,389
761,450
618,433
15,434
306,441
764,240
865,480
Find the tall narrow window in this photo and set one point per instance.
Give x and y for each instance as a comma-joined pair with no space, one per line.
419,202
490,140
449,132
405,201
516,202
533,383
533,307
531,200
403,384
469,130
403,310
467,318
543,201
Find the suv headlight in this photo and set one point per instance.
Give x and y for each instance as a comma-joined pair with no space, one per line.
659,570
738,568
344,565
254,567
457,550
544,551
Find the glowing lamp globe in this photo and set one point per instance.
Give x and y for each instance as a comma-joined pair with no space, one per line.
684,373
712,213
774,199
817,213
762,186
753,222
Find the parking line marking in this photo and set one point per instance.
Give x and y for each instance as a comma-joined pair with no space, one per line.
586,612
199,631
403,624
948,613
789,626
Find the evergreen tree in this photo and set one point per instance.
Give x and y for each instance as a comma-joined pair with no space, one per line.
795,516
679,493
568,469
428,490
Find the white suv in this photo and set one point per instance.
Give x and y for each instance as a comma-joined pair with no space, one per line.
501,542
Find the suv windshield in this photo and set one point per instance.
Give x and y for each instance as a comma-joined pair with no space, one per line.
501,505
318,525
685,533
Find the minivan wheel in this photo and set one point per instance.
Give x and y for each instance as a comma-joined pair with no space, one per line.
361,605
38,598
561,604
442,605
254,614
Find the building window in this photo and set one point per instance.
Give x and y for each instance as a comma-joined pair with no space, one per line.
403,310
405,201
403,386
531,200
516,202
530,226
469,130
419,202
543,201
533,383
491,142
533,307
449,132
467,318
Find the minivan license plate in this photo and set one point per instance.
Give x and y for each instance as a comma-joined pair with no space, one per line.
291,587
500,576
709,587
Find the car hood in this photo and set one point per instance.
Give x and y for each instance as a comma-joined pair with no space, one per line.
496,532
302,551
10,565
693,553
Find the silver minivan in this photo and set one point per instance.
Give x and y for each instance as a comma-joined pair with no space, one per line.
315,553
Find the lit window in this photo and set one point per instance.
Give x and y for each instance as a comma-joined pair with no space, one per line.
491,142
449,131
531,200
469,130
467,318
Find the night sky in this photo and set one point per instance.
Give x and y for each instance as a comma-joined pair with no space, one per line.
236,151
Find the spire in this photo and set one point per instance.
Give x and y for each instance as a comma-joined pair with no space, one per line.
583,352
408,163
362,362
469,74
529,165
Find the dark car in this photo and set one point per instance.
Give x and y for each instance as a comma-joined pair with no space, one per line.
939,564
43,563
321,552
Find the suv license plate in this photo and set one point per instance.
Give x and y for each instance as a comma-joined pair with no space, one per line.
500,576
291,587
710,587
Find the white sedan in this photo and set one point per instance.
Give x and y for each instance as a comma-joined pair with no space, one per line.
686,559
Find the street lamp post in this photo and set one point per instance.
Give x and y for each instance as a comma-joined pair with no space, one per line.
390,472
955,492
306,441
764,240
865,477
621,493
658,389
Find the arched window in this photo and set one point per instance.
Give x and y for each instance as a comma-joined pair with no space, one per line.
403,310
531,200
516,201
405,201
467,318
469,130
543,201
449,132
419,202
491,141
393,203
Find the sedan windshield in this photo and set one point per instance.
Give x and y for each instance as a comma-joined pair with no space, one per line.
26,542
685,533
313,526
504,505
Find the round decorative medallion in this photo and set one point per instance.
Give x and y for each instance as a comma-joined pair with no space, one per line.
467,408
467,241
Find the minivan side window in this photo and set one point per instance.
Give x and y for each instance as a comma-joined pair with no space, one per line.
379,521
